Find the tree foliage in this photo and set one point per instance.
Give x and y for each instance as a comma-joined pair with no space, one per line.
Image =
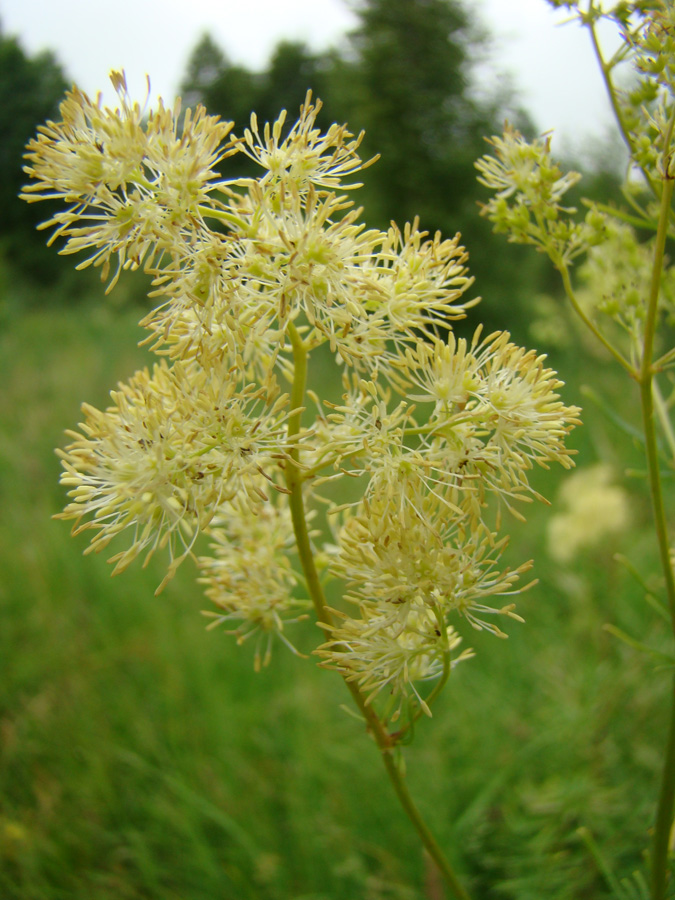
412,81
30,91
406,77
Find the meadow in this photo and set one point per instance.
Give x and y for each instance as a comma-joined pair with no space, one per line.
142,757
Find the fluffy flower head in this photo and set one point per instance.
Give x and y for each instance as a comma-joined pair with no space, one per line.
250,277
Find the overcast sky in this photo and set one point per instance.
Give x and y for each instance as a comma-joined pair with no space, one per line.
552,66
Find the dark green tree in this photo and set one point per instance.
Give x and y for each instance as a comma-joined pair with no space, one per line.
234,92
407,76
412,86
410,82
30,92
292,71
223,88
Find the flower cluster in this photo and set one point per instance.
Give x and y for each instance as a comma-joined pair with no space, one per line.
250,576
648,106
134,189
250,277
529,187
160,461
615,280
417,548
645,107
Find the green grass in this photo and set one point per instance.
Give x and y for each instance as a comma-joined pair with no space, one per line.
141,757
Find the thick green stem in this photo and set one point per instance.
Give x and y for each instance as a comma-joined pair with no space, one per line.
646,378
664,815
294,479
385,741
605,70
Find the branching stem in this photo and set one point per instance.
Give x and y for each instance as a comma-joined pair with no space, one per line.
664,815
385,741
645,378
571,296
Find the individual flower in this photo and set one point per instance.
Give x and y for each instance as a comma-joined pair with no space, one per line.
92,151
395,656
397,555
307,255
174,445
496,413
420,282
133,188
249,574
361,429
306,156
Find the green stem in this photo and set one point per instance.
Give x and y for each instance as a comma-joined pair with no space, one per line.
571,296
386,744
438,687
640,221
294,479
609,84
224,215
385,741
664,815
605,69
646,378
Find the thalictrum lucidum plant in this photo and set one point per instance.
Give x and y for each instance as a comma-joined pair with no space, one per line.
624,293
229,438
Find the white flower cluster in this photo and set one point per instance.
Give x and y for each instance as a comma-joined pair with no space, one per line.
250,277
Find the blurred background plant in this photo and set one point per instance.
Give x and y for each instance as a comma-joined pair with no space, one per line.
622,294
140,756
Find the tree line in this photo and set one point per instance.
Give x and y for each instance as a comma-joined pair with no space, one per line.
407,75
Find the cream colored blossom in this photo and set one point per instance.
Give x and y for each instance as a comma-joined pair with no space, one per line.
420,281
249,575
133,188
496,412
173,446
306,157
397,555
381,653
530,186
250,277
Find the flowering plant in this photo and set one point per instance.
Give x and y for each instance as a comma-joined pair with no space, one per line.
231,436
625,292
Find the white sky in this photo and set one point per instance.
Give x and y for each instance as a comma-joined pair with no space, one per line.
552,67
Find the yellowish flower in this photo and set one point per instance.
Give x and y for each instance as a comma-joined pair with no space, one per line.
306,157
173,446
530,186
382,653
249,574
397,555
133,187
250,277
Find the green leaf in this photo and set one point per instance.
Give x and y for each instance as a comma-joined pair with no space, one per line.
664,660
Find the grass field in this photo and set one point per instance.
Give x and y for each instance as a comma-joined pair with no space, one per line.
141,756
